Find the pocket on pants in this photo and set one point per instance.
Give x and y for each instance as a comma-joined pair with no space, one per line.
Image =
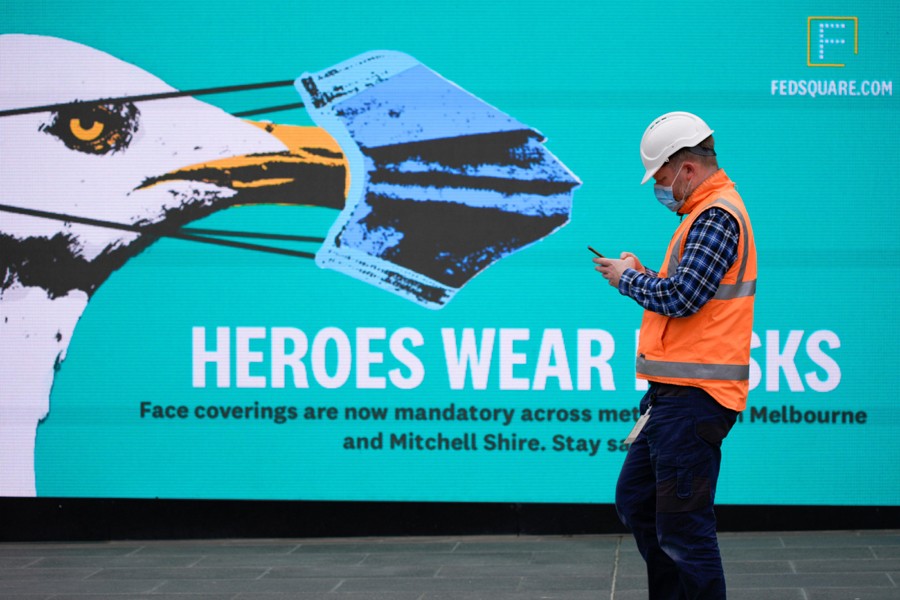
682,480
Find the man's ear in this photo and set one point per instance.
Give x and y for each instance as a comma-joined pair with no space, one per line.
690,169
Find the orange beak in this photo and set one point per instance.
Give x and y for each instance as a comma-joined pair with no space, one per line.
312,171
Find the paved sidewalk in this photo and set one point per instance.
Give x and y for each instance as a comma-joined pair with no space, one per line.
842,565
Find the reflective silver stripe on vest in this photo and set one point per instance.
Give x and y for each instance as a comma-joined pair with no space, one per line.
675,257
684,370
740,216
726,291
729,291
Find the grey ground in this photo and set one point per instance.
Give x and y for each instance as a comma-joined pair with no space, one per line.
839,565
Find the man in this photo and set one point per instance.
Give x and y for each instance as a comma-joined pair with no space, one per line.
694,349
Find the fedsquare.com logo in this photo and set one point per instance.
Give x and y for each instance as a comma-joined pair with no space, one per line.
831,43
830,40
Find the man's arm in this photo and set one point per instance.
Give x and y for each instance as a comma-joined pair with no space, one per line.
711,248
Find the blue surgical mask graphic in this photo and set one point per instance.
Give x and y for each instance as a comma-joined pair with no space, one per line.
442,184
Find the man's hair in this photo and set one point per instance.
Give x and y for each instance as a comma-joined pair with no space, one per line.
703,153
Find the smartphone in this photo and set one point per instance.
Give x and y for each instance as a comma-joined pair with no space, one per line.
595,252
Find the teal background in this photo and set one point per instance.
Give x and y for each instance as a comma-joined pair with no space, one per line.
819,177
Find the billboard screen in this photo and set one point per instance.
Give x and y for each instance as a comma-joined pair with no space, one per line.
339,251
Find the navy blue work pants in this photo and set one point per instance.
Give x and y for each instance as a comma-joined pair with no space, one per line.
666,491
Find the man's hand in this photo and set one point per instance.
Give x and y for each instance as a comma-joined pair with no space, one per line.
612,268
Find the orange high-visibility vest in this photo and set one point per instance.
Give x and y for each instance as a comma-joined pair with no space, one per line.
709,349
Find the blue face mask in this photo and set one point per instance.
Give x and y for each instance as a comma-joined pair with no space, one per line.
666,196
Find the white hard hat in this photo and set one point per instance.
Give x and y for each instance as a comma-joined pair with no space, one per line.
668,134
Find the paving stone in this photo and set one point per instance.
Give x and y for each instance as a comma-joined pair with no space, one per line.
99,562
591,557
886,551
856,581
431,584
225,596
452,558
802,552
521,595
562,545
16,562
241,586
9,588
280,560
353,571
626,583
846,566
729,542
841,539
375,547
121,573
75,549
844,594
39,573
203,549
757,567
300,595
558,584
574,569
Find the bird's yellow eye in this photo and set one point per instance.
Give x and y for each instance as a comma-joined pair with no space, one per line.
84,130
95,128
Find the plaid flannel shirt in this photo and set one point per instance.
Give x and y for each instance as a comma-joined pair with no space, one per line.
710,249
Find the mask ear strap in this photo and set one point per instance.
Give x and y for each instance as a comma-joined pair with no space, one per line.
685,197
